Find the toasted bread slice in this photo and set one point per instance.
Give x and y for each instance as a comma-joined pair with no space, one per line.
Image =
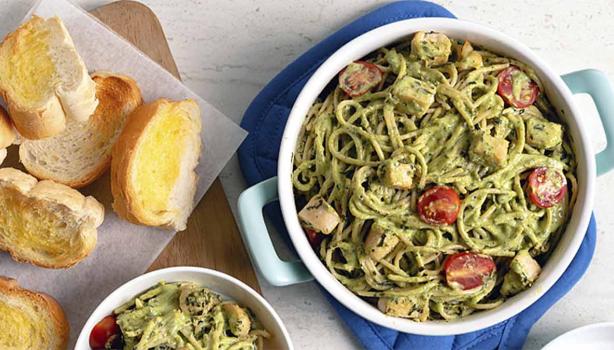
30,320
82,152
43,79
152,168
46,223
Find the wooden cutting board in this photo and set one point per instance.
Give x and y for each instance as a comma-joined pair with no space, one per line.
212,238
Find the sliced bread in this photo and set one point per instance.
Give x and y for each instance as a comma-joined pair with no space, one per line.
82,152
43,79
46,223
30,320
153,178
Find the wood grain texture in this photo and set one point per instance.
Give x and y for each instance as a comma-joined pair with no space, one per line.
212,238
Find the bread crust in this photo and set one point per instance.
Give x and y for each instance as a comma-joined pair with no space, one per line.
125,197
37,124
118,96
123,157
46,192
10,288
49,118
7,133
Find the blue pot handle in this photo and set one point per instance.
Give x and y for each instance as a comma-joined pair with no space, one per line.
258,241
597,85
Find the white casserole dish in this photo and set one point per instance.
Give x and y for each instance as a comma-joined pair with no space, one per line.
279,272
221,283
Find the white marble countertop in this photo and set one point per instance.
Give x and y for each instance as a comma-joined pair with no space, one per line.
228,50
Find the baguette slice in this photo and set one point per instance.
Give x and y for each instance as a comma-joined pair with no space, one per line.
152,168
46,223
43,79
82,152
30,320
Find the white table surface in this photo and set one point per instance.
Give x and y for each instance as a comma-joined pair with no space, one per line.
228,50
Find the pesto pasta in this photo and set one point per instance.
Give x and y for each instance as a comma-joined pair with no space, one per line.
434,178
183,315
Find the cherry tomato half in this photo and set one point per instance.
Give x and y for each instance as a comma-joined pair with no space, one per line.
104,332
359,77
467,270
439,205
546,187
314,238
516,88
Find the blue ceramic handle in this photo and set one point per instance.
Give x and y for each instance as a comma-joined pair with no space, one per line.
256,237
597,85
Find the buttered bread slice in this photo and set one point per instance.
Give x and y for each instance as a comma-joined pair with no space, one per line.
153,178
43,79
46,223
82,152
30,320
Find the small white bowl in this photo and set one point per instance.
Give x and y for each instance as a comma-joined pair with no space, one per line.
229,287
598,336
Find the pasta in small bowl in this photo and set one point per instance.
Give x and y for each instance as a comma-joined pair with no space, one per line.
184,308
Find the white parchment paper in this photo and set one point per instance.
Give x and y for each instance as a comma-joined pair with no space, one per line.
124,250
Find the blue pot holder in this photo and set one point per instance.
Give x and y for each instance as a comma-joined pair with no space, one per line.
265,120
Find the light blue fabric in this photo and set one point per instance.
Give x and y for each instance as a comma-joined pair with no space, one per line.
265,119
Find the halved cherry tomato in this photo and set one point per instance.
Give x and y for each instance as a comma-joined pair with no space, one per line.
439,205
359,77
467,270
104,332
314,238
526,89
546,187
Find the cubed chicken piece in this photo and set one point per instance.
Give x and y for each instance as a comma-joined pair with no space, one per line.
396,306
503,126
432,48
394,60
238,320
544,134
524,270
318,215
417,95
380,241
467,57
488,150
399,175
